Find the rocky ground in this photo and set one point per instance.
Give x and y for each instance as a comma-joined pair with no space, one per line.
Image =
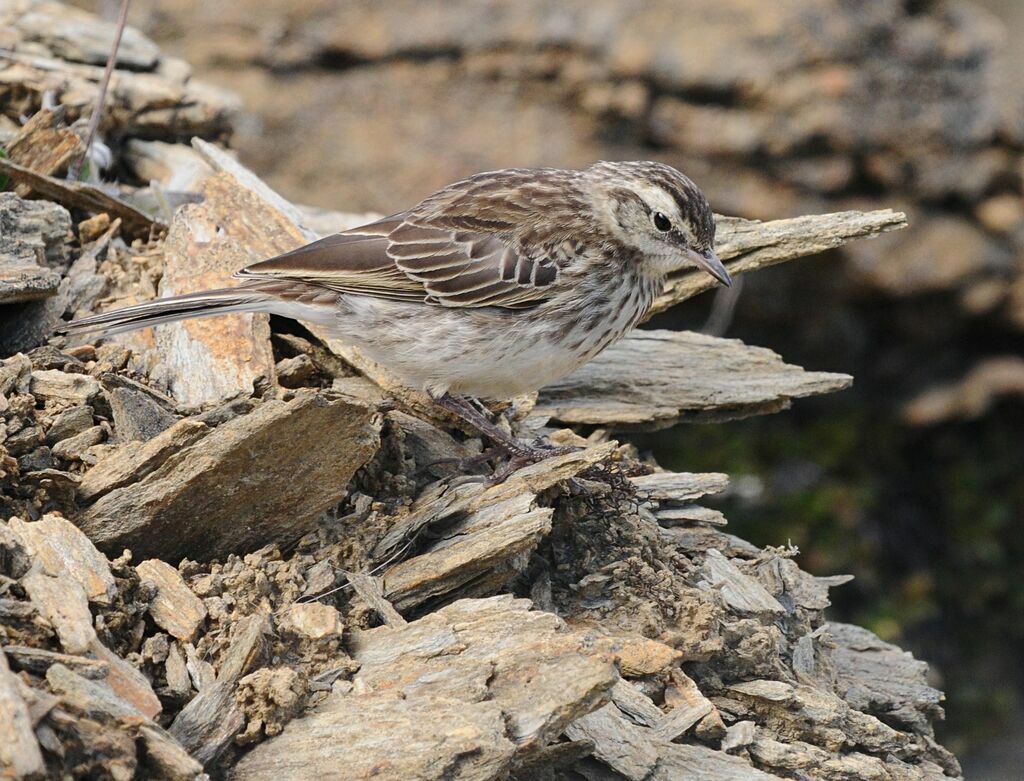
238,548
777,109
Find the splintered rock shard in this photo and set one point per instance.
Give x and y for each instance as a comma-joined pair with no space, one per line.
259,478
465,692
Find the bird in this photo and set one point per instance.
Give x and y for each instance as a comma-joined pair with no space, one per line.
491,287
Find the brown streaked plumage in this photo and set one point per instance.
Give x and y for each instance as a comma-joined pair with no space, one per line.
493,286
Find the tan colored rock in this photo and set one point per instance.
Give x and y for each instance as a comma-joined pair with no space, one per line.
256,479
651,379
214,359
19,751
639,656
740,591
63,551
131,463
495,680
127,682
174,608
64,604
64,388
314,620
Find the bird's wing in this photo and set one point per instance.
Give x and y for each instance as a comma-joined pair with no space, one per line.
415,258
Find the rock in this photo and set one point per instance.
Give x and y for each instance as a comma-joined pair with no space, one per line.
69,423
61,550
881,679
314,620
78,36
30,231
63,388
739,590
213,359
65,606
73,448
208,724
165,758
19,750
33,235
128,464
476,554
652,379
622,746
174,608
293,372
500,680
371,590
128,683
178,681
463,738
39,661
137,416
258,478
93,698
679,487
44,145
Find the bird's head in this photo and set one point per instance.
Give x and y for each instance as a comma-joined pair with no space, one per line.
653,208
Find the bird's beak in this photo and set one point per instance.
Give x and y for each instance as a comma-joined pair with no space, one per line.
709,262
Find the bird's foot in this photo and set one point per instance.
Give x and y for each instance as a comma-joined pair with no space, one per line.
523,454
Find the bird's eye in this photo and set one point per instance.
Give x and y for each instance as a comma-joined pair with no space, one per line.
661,222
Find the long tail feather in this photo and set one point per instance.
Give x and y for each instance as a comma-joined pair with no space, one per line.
168,310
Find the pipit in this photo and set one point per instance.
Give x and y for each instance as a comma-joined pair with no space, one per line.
491,287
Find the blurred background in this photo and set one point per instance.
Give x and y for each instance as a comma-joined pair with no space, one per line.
912,480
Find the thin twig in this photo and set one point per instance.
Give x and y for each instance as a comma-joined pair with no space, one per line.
97,112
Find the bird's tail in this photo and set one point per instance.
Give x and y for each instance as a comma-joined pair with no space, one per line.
168,310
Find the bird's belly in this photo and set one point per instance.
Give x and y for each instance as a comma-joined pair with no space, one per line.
482,352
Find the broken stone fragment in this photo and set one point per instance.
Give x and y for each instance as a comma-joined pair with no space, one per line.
19,750
495,680
679,487
652,379
137,416
30,232
214,359
293,372
210,722
314,620
69,423
62,551
128,464
174,608
740,591
64,388
127,682
93,698
259,478
74,448
63,603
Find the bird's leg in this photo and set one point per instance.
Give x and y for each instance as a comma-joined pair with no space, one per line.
520,453
462,407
